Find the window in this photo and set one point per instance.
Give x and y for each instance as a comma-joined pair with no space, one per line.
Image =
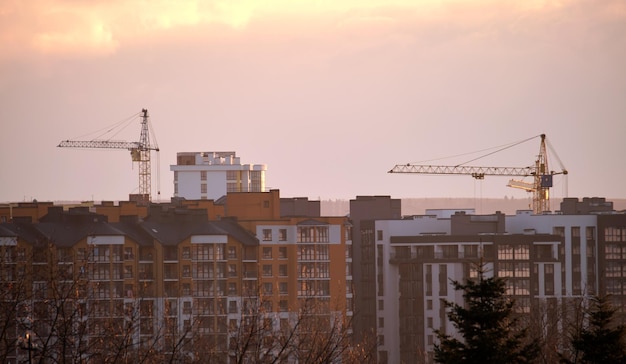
323,270
322,252
505,269
171,307
128,288
186,307
613,269
186,252
186,289
267,270
379,235
203,188
186,271
471,251
282,288
100,272
612,251
128,254
202,175
128,271
559,230
443,280
203,288
381,305
203,270
232,288
232,187
170,253
282,252
522,251
283,307
267,288
305,234
282,234
267,252
232,307
232,175
450,251
305,270
282,270
267,234
505,252
381,322
612,234
232,270
232,252
322,234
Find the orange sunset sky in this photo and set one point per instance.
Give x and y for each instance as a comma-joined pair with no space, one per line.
329,94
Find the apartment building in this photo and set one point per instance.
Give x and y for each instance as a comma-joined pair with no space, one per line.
303,256
549,260
176,281
210,175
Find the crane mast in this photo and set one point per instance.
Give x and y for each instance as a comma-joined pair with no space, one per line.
143,159
542,176
140,152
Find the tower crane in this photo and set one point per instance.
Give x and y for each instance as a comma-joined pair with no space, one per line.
140,152
542,175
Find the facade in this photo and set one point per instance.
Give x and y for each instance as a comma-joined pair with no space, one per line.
551,263
181,280
211,175
175,283
364,211
302,256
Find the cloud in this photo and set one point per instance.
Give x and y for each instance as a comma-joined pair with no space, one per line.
103,27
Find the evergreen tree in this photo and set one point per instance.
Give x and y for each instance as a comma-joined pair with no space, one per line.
488,326
599,341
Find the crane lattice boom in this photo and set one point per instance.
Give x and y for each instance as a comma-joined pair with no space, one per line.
108,144
542,176
466,170
140,152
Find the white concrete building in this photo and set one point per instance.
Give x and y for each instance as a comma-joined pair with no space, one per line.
546,257
210,175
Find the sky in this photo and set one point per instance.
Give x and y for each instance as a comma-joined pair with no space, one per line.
330,95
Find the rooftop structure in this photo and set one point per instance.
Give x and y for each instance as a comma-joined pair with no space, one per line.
210,175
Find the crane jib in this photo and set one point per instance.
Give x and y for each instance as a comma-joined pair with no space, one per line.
467,170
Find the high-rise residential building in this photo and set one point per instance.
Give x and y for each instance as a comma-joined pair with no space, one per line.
210,175
550,261
364,211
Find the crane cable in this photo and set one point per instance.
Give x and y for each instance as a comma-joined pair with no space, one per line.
499,150
503,147
155,147
108,129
